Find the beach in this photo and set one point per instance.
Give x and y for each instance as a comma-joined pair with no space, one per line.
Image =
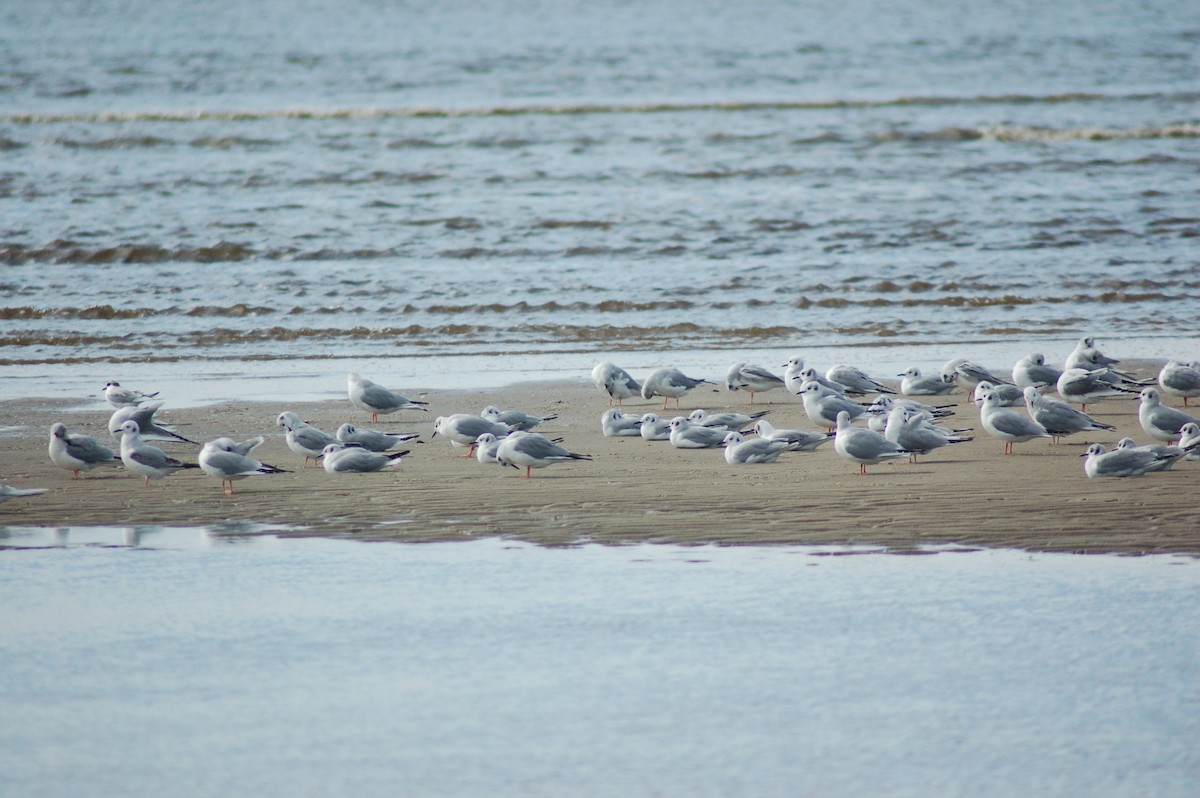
968,494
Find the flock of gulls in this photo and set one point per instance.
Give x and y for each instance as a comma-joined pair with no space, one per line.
867,421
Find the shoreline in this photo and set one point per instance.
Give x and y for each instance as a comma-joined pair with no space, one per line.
633,491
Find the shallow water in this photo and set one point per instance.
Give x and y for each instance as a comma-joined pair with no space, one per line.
234,663
206,196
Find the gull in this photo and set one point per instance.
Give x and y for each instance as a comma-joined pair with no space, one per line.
372,440
855,381
1008,425
1032,370
1010,395
914,433
1167,454
615,424
1160,421
729,421
754,379
616,382
9,492
863,446
220,458
810,374
486,446
463,429
338,458
302,437
77,452
913,384
246,446
1088,385
143,416
1189,440
513,419
145,460
1058,417
1092,359
684,435
117,396
1119,462
669,384
375,399
654,428
1085,355
800,440
532,450
741,451
822,406
791,374
970,373
1180,379
886,403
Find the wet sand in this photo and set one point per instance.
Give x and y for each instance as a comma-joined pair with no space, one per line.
633,491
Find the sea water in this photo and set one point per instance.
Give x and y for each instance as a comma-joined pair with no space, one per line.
226,661
227,200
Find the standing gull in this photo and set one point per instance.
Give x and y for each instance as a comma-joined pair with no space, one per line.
375,399
669,384
913,383
1008,425
1058,417
1032,370
1088,385
372,440
77,452
531,450
822,406
1160,421
463,429
220,458
117,396
1180,379
302,437
145,460
753,379
616,382
863,446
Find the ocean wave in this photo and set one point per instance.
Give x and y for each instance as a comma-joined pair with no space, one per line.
1038,134
375,113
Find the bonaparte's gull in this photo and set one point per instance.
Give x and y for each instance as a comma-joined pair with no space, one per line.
1091,359
912,432
77,452
514,419
863,446
145,460
1180,379
486,446
1008,425
1160,421
729,421
885,404
810,374
338,458
1119,462
855,381
376,400
302,437
742,451
616,424
1032,370
669,384
117,396
1168,455
1088,385
822,406
1058,417
685,435
800,440
1010,395
531,450
143,416
1189,440
220,458
9,492
970,373
372,440
751,378
1085,355
914,384
615,381
463,429
654,428
791,374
